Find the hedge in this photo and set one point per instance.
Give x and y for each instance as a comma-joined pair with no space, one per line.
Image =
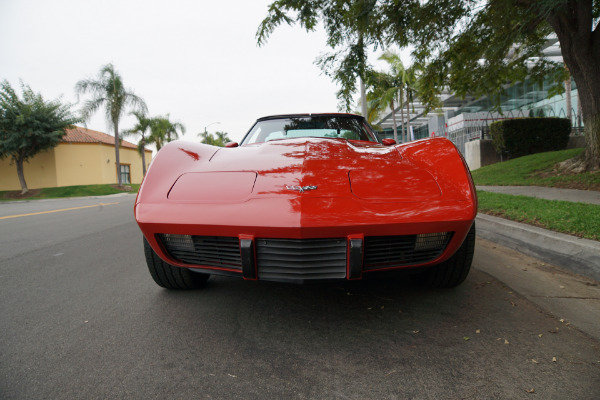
522,136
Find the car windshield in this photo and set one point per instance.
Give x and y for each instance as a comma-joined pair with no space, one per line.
335,127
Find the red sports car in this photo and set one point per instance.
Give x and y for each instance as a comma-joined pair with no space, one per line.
308,197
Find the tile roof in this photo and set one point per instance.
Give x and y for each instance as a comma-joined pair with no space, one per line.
84,135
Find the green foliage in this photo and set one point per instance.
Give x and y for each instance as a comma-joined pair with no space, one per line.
108,91
562,216
71,191
351,26
468,46
140,128
163,130
474,47
219,139
386,89
30,124
522,136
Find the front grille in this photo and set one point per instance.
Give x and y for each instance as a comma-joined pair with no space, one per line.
301,258
395,251
210,251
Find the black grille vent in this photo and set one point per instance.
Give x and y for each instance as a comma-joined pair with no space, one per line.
301,258
210,251
395,251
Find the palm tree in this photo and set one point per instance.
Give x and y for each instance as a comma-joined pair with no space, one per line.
409,79
140,128
222,138
163,130
207,138
387,88
108,91
219,139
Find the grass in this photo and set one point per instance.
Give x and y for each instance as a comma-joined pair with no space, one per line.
536,169
66,191
577,219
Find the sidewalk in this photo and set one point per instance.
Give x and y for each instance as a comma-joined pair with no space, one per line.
548,193
581,256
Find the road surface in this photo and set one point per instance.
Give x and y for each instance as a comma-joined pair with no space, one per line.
82,319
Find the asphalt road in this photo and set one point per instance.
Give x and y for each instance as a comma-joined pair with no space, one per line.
82,319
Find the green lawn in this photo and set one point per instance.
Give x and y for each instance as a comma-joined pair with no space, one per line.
67,191
536,169
577,219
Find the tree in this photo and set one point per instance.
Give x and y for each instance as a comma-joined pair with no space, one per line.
29,125
140,128
387,89
207,138
109,92
219,139
383,93
163,130
472,47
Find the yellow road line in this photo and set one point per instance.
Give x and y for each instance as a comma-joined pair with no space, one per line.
55,211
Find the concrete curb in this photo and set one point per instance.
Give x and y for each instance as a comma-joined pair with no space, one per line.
581,256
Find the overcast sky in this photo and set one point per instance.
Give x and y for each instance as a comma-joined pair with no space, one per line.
196,60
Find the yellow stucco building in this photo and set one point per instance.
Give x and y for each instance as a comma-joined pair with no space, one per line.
83,157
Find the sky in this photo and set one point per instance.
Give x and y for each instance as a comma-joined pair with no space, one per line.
197,61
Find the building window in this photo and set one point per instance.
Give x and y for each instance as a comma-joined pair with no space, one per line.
125,175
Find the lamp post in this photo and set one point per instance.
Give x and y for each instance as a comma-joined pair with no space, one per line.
212,123
204,134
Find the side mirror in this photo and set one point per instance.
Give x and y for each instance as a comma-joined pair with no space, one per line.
388,142
231,144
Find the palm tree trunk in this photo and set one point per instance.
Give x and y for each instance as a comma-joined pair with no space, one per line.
19,163
117,158
143,156
407,118
401,116
394,120
363,98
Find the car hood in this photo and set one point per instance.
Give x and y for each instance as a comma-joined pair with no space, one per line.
307,167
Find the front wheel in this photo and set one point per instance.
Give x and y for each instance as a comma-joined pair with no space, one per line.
170,276
454,270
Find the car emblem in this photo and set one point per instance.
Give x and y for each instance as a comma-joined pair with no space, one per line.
300,189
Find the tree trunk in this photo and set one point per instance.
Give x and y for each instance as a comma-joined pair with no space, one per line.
19,163
363,99
568,100
117,158
402,116
579,114
394,120
143,156
408,137
580,48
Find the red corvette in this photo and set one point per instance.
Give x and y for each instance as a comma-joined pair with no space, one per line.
305,197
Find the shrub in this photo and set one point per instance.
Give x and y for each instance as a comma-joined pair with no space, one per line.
522,136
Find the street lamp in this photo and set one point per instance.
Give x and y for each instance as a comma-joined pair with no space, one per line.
212,123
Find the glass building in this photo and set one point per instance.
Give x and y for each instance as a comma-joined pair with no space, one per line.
465,119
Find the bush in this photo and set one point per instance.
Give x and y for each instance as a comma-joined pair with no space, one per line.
522,136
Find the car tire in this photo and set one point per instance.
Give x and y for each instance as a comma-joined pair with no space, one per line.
454,270
169,276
